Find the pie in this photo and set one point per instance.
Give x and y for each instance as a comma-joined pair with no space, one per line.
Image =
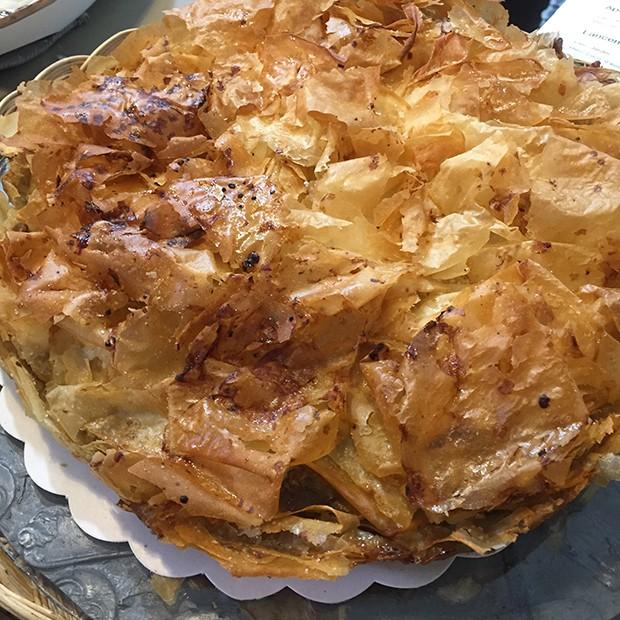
317,284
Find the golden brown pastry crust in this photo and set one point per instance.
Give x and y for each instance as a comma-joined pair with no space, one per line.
314,285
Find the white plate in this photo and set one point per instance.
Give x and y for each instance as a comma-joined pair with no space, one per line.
26,21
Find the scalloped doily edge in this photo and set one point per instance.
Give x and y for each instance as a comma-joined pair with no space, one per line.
93,508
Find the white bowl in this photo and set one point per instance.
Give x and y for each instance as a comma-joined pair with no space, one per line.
25,21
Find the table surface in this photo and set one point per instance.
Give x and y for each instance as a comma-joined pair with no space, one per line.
569,568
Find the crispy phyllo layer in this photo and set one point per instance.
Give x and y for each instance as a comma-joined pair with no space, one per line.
312,285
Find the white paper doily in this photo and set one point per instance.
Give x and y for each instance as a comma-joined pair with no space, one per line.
93,507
